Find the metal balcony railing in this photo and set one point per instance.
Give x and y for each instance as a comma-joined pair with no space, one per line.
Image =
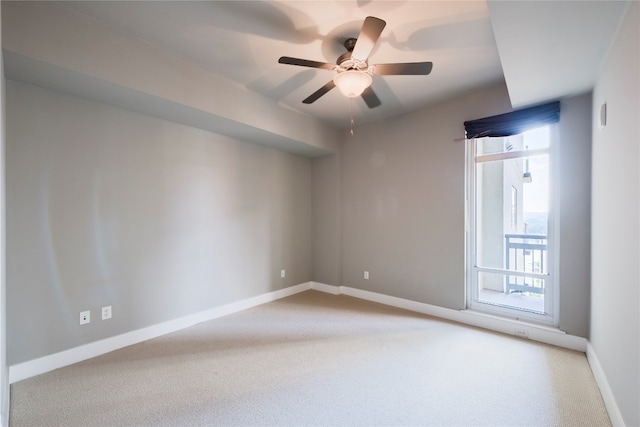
526,253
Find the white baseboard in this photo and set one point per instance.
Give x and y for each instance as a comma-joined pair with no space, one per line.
539,333
329,289
48,363
603,385
64,358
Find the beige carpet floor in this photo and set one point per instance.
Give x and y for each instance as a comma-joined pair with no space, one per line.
315,359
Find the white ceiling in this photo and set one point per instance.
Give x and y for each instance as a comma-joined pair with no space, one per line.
242,40
551,49
544,50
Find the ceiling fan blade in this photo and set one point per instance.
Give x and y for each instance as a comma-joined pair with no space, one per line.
305,63
371,29
404,69
370,98
317,94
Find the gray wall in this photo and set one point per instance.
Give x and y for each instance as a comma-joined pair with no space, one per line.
156,219
327,220
4,367
403,208
403,201
100,197
615,274
572,181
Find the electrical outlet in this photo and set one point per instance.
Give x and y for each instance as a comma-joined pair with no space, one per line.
106,312
282,273
366,275
85,317
522,333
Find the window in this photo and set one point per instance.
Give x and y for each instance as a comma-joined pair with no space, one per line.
510,240
510,270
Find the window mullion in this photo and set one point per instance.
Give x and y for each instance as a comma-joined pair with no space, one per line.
511,155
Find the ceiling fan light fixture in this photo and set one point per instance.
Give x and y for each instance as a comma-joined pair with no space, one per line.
352,82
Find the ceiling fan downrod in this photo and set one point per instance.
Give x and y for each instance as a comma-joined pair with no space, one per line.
350,43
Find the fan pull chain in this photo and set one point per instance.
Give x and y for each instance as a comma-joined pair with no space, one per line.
353,122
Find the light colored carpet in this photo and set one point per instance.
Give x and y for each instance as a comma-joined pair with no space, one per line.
319,359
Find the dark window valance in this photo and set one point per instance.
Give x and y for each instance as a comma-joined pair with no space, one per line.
513,123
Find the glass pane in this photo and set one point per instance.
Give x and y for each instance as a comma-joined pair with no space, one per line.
512,214
530,140
524,293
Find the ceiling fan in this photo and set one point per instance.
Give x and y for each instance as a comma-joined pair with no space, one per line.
354,75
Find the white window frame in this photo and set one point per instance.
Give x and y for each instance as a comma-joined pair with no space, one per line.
551,303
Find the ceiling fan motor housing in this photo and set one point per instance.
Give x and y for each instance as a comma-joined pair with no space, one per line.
346,62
